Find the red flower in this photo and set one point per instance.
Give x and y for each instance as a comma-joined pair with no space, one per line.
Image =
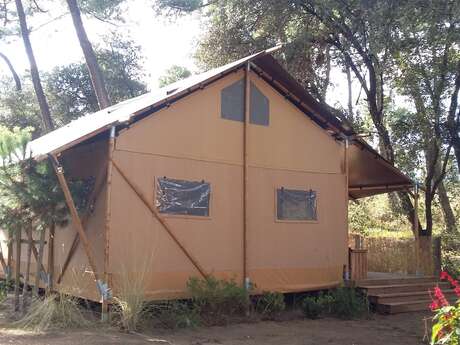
444,275
457,291
434,306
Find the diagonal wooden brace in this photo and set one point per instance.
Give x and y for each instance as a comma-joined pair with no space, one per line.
73,247
157,215
77,221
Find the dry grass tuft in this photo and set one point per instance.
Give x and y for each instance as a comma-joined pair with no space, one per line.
57,311
130,299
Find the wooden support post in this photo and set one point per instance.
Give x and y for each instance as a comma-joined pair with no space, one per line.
437,256
25,289
105,302
160,219
76,220
38,270
50,286
347,193
17,269
34,250
10,258
3,262
247,100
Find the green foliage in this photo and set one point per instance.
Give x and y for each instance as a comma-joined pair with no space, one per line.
270,304
348,303
343,302
69,87
312,307
173,314
173,74
218,300
29,191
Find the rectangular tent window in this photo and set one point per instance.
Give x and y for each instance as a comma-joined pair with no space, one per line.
182,197
296,204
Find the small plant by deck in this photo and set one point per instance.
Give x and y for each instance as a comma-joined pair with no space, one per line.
173,314
216,301
446,321
343,302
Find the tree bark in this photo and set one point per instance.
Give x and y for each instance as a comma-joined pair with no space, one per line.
44,108
15,76
350,94
447,211
95,73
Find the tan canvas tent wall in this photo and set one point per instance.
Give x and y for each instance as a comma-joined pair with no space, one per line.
183,132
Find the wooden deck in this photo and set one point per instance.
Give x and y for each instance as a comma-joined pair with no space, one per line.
392,293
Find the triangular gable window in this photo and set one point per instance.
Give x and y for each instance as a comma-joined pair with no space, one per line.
232,104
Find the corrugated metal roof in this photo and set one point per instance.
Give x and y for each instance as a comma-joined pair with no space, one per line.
90,125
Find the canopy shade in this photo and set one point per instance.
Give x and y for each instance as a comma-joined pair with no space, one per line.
371,174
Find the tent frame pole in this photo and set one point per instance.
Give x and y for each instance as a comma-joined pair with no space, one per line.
247,95
77,221
111,148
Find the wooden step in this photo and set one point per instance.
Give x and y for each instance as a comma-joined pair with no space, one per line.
373,290
403,307
396,281
408,296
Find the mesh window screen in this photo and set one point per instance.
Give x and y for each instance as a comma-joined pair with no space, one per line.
182,197
296,204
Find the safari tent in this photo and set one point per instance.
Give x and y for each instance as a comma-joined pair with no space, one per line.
237,173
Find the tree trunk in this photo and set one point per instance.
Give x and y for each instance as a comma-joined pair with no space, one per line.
17,81
44,108
350,94
449,217
95,73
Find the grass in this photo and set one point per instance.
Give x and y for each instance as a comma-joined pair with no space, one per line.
57,311
130,299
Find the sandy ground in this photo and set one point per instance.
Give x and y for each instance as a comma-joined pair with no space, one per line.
407,329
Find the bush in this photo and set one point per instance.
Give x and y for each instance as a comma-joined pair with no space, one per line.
173,314
216,300
270,304
348,303
313,307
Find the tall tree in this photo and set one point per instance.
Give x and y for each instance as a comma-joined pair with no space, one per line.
173,74
97,78
43,103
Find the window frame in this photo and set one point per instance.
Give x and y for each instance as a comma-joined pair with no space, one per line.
183,216
294,221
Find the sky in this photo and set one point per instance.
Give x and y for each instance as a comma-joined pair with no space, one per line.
164,42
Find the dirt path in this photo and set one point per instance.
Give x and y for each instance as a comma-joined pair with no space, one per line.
407,329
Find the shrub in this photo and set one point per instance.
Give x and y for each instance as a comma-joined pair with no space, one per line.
313,307
348,303
57,311
270,304
216,300
446,329
173,314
